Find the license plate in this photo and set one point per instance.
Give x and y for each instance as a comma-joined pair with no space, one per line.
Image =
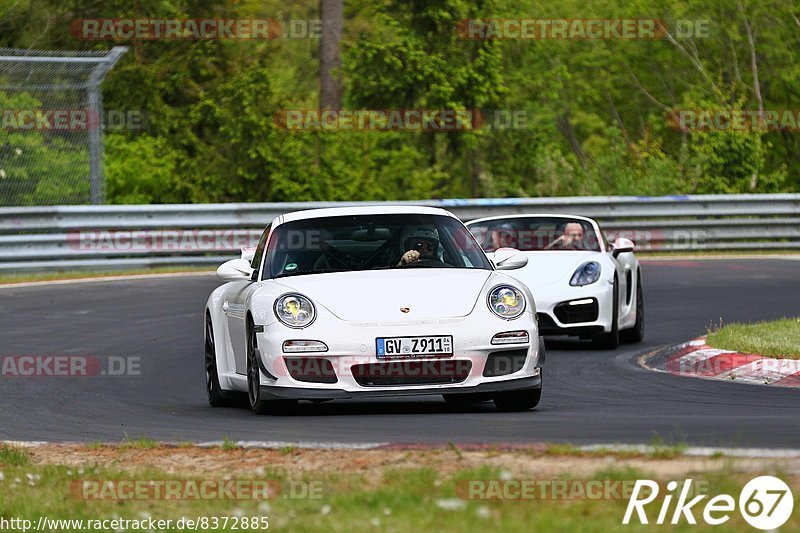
414,346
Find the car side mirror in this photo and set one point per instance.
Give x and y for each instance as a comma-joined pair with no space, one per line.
235,270
622,246
509,259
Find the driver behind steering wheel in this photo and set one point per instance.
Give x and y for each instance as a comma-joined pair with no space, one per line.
421,242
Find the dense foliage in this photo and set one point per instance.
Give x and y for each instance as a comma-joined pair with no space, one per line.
596,109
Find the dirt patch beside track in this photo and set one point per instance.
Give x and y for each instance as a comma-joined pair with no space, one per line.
519,462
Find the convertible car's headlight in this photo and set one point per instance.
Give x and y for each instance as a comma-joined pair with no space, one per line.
506,302
295,310
586,274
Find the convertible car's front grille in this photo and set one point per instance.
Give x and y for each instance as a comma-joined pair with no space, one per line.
504,363
311,369
575,314
401,373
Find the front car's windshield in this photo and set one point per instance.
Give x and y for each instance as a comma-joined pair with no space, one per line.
371,242
536,233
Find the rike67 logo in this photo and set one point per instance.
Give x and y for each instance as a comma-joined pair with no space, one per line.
765,503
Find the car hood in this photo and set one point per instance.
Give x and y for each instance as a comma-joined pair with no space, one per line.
378,295
551,266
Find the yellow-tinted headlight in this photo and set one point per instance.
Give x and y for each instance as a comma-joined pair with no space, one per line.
506,302
295,310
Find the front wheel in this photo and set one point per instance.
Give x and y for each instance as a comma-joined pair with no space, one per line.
636,333
257,404
216,396
518,400
610,340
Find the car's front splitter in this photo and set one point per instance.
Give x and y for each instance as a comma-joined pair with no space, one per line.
309,393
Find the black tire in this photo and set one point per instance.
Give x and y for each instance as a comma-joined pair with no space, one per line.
542,352
636,333
216,396
518,400
466,399
610,340
257,404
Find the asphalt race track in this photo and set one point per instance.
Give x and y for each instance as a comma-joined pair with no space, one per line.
589,396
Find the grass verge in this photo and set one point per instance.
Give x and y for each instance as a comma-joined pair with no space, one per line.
779,339
59,276
713,254
67,275
362,491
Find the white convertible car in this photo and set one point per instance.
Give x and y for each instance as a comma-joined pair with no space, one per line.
583,285
371,301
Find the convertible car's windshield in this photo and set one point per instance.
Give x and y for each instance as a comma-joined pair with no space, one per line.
536,233
371,242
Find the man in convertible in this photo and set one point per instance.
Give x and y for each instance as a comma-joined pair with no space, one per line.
570,239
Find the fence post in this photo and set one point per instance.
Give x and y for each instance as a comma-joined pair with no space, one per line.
95,104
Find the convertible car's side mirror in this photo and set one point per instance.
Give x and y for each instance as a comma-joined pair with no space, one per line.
622,246
235,270
509,259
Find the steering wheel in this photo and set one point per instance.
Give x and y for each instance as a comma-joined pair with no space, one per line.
427,262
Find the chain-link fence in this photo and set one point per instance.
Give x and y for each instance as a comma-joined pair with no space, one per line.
51,119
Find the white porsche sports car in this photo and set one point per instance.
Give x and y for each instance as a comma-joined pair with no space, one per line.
371,301
583,285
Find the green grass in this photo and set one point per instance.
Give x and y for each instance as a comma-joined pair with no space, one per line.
13,456
288,450
667,451
658,450
779,339
407,499
229,444
67,275
139,443
452,446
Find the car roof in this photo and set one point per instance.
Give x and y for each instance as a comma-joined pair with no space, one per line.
361,210
532,215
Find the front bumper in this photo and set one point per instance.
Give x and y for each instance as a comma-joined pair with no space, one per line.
351,367
558,314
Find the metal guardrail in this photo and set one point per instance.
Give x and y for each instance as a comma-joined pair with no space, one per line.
97,237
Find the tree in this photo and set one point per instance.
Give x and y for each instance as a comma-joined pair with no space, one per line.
330,81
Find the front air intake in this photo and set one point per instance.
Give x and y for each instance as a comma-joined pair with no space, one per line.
400,373
504,363
311,369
